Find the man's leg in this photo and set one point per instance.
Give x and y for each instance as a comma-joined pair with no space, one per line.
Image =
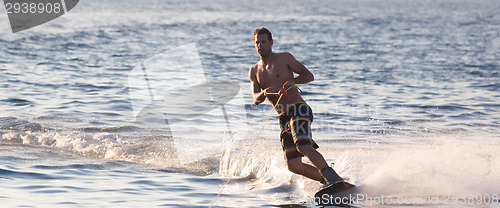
301,130
314,156
297,166
327,173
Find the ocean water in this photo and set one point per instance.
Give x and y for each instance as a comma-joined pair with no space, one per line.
116,103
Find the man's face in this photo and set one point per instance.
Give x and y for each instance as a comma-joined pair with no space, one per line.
262,44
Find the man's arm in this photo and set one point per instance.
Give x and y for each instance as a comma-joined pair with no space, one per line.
305,76
258,94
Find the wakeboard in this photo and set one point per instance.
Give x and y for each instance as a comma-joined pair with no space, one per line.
337,194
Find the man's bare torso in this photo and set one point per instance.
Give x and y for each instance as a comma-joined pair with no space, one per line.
273,75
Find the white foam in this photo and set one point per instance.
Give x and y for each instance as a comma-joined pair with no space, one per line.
442,168
446,166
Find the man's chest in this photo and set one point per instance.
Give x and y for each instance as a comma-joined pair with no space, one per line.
271,73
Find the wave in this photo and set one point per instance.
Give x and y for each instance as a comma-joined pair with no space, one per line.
444,165
9,174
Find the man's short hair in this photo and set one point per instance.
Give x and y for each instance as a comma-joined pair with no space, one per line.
261,31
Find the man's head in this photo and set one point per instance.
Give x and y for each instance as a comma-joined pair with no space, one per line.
263,40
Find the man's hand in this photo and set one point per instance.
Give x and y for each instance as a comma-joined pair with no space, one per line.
271,90
261,96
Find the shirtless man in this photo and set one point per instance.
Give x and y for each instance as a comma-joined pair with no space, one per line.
275,72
